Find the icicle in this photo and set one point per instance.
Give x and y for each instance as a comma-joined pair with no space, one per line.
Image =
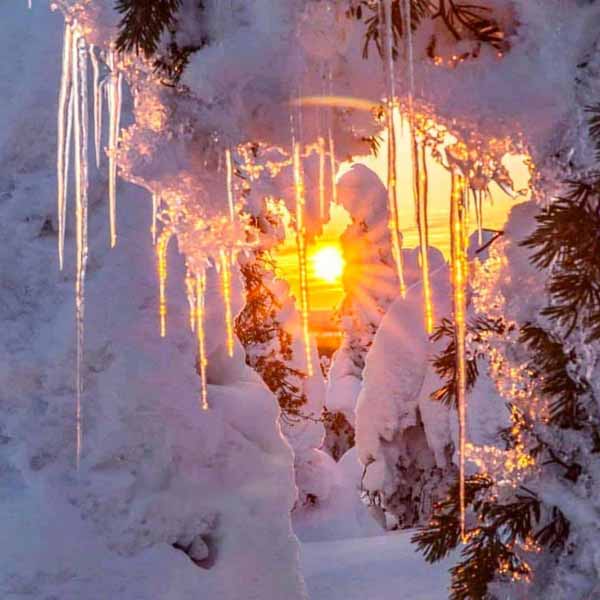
155,205
459,284
392,179
200,334
64,101
321,143
114,112
190,286
80,113
331,143
422,189
230,194
97,104
225,257
478,202
161,255
301,246
465,225
63,217
407,18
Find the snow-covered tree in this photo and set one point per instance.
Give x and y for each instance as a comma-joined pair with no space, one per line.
370,284
534,496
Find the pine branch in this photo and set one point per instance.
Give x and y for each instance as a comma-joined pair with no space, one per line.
490,548
462,20
470,20
368,10
268,345
594,127
550,364
445,362
442,534
143,23
568,239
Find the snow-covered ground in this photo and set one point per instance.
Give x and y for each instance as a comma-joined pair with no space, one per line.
376,568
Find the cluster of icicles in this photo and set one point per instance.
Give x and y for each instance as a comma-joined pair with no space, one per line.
73,107
73,142
458,216
107,81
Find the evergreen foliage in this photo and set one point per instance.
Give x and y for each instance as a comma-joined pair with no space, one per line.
339,433
550,364
268,346
566,245
445,362
498,545
462,20
567,239
143,23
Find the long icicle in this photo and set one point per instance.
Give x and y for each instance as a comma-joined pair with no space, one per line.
420,173
230,191
200,334
322,156
190,287
114,112
423,225
479,214
61,154
301,246
392,178
225,258
155,205
331,143
161,260
80,114
459,283
410,53
63,216
97,104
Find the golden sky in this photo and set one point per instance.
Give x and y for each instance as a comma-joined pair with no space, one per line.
324,295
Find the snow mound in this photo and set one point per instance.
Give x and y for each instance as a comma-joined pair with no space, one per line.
170,501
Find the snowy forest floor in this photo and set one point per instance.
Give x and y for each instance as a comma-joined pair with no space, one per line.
377,568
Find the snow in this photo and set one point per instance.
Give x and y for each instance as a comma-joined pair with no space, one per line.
157,473
379,568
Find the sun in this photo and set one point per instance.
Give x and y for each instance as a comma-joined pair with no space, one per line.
328,263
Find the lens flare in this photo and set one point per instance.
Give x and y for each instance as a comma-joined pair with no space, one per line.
328,263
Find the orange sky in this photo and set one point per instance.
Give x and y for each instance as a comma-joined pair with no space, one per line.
324,296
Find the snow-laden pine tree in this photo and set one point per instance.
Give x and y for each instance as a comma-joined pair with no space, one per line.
533,491
370,284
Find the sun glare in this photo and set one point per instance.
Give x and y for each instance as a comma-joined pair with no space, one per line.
328,263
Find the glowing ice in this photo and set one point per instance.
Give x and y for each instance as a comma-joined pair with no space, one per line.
392,180
301,246
97,104
230,193
114,115
161,256
200,333
321,144
459,283
61,154
225,259
155,205
331,144
80,112
421,188
190,287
